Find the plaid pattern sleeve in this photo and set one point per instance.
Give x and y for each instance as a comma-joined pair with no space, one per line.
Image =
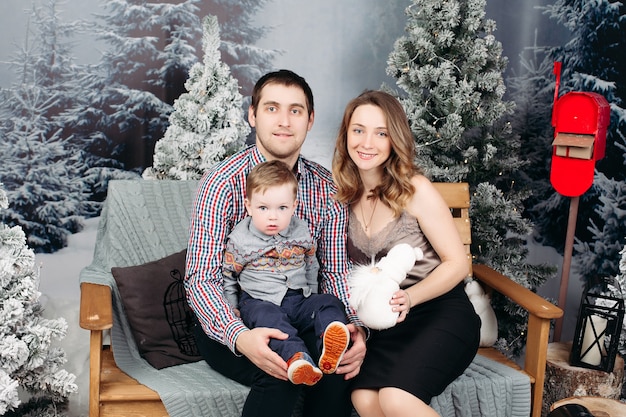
231,268
328,223
218,206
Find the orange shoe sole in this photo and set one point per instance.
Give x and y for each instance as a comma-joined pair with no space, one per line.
335,343
302,372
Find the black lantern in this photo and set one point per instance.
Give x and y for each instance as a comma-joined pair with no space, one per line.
598,329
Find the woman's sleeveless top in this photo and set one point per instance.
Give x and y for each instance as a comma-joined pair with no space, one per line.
404,229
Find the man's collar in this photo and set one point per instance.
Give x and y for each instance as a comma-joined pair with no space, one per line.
256,157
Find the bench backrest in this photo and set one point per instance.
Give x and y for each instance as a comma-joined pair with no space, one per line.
143,220
457,196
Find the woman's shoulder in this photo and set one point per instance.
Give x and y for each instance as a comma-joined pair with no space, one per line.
421,184
425,194
418,179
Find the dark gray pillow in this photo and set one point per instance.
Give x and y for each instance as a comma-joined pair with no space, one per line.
154,300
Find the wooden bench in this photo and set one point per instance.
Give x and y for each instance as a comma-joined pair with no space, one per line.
113,393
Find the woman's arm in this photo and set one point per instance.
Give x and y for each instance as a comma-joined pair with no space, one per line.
435,220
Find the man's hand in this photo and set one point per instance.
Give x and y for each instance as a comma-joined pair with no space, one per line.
254,344
353,358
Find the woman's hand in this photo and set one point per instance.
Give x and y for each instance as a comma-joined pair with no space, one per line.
401,302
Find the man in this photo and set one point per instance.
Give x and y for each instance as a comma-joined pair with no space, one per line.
282,113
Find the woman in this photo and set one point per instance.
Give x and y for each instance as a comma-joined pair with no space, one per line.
391,201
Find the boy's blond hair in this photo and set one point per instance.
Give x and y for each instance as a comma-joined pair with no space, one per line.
270,174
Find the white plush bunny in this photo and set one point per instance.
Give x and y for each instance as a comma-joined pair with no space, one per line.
371,286
482,306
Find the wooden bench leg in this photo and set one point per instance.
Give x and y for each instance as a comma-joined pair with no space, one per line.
95,366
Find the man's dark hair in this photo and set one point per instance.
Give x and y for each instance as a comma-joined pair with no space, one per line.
286,78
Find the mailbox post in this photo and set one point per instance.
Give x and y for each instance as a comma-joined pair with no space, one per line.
580,121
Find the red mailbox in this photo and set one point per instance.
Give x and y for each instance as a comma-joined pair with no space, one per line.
580,121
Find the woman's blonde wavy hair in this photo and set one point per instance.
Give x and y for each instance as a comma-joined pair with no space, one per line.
395,189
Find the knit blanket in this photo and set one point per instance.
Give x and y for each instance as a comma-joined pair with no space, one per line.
146,220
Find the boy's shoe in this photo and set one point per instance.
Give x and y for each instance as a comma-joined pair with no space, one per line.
335,343
302,370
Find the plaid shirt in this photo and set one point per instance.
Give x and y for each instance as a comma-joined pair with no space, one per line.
219,205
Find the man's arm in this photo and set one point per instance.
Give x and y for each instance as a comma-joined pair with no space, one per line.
312,269
212,218
230,270
333,255
334,271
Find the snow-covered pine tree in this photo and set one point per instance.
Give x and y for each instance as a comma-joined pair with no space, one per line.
239,35
533,90
207,124
48,59
47,199
619,290
599,257
450,67
593,60
41,172
33,382
127,96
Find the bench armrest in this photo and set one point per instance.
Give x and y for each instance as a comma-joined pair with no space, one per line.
96,311
528,300
540,313
96,315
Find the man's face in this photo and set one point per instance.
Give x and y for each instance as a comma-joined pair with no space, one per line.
281,122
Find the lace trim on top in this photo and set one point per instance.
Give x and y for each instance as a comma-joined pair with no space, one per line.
404,229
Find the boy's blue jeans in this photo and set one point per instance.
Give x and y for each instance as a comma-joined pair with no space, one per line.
296,314
271,397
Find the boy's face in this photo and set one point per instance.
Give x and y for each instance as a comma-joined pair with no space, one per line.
271,211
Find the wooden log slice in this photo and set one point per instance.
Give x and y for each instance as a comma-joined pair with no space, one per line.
565,381
597,406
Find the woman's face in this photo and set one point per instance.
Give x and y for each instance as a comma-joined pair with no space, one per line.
369,145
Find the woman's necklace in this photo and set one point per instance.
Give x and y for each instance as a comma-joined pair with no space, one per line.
367,224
